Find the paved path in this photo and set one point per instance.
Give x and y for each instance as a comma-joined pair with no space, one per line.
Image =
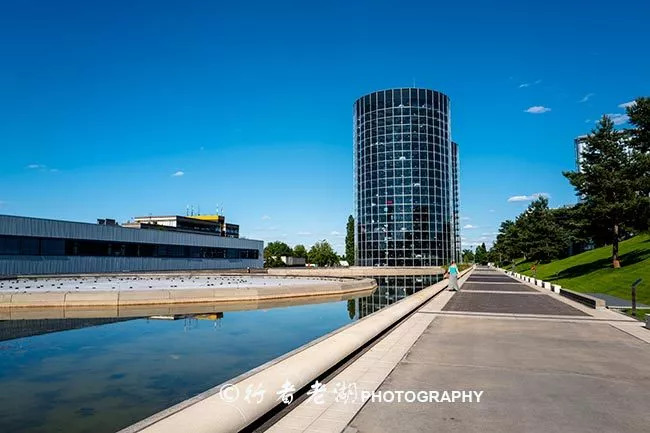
544,364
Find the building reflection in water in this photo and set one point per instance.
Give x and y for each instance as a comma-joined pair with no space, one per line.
390,289
12,329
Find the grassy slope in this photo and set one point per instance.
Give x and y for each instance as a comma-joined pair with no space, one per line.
592,271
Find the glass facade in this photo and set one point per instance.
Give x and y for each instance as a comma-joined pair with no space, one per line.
403,194
35,246
455,195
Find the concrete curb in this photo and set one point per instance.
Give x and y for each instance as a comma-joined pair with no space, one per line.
210,413
170,296
589,301
355,271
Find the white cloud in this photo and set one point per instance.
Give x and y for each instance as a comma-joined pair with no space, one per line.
266,217
465,218
335,233
627,104
469,226
587,120
516,198
537,109
491,211
618,118
304,233
35,166
524,85
179,173
586,97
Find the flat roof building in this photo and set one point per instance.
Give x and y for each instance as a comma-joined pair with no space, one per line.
42,246
209,224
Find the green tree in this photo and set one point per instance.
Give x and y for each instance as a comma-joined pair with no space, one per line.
507,244
468,256
639,144
273,252
540,236
300,251
608,182
481,256
322,254
349,241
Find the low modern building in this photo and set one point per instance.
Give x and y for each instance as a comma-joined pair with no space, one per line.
213,224
41,246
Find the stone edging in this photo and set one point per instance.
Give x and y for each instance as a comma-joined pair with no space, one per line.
589,301
170,296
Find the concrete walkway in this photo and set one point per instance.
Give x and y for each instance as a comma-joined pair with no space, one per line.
544,364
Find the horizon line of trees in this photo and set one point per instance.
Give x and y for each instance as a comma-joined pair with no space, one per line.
321,253
613,184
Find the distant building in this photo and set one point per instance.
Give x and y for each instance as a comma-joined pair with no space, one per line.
213,224
42,246
293,261
579,144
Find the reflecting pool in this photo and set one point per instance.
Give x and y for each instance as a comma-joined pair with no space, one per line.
103,372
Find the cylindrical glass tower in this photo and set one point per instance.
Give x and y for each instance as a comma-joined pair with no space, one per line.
402,155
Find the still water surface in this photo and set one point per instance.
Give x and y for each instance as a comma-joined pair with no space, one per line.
107,376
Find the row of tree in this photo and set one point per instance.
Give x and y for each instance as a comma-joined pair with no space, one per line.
613,184
321,254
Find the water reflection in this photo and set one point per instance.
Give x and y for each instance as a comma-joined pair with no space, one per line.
390,289
99,370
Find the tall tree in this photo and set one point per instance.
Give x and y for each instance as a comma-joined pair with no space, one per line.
608,182
322,254
639,144
349,241
468,256
481,256
540,236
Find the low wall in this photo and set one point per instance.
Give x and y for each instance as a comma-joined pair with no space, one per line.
179,296
589,301
210,413
357,271
134,311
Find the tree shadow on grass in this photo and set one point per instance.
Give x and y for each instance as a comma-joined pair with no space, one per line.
626,259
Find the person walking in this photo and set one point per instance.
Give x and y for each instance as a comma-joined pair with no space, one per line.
452,273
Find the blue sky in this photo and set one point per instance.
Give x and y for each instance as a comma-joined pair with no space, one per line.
250,104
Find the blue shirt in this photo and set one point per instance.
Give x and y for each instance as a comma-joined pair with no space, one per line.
453,270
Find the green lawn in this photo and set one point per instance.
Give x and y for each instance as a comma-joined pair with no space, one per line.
640,314
592,271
